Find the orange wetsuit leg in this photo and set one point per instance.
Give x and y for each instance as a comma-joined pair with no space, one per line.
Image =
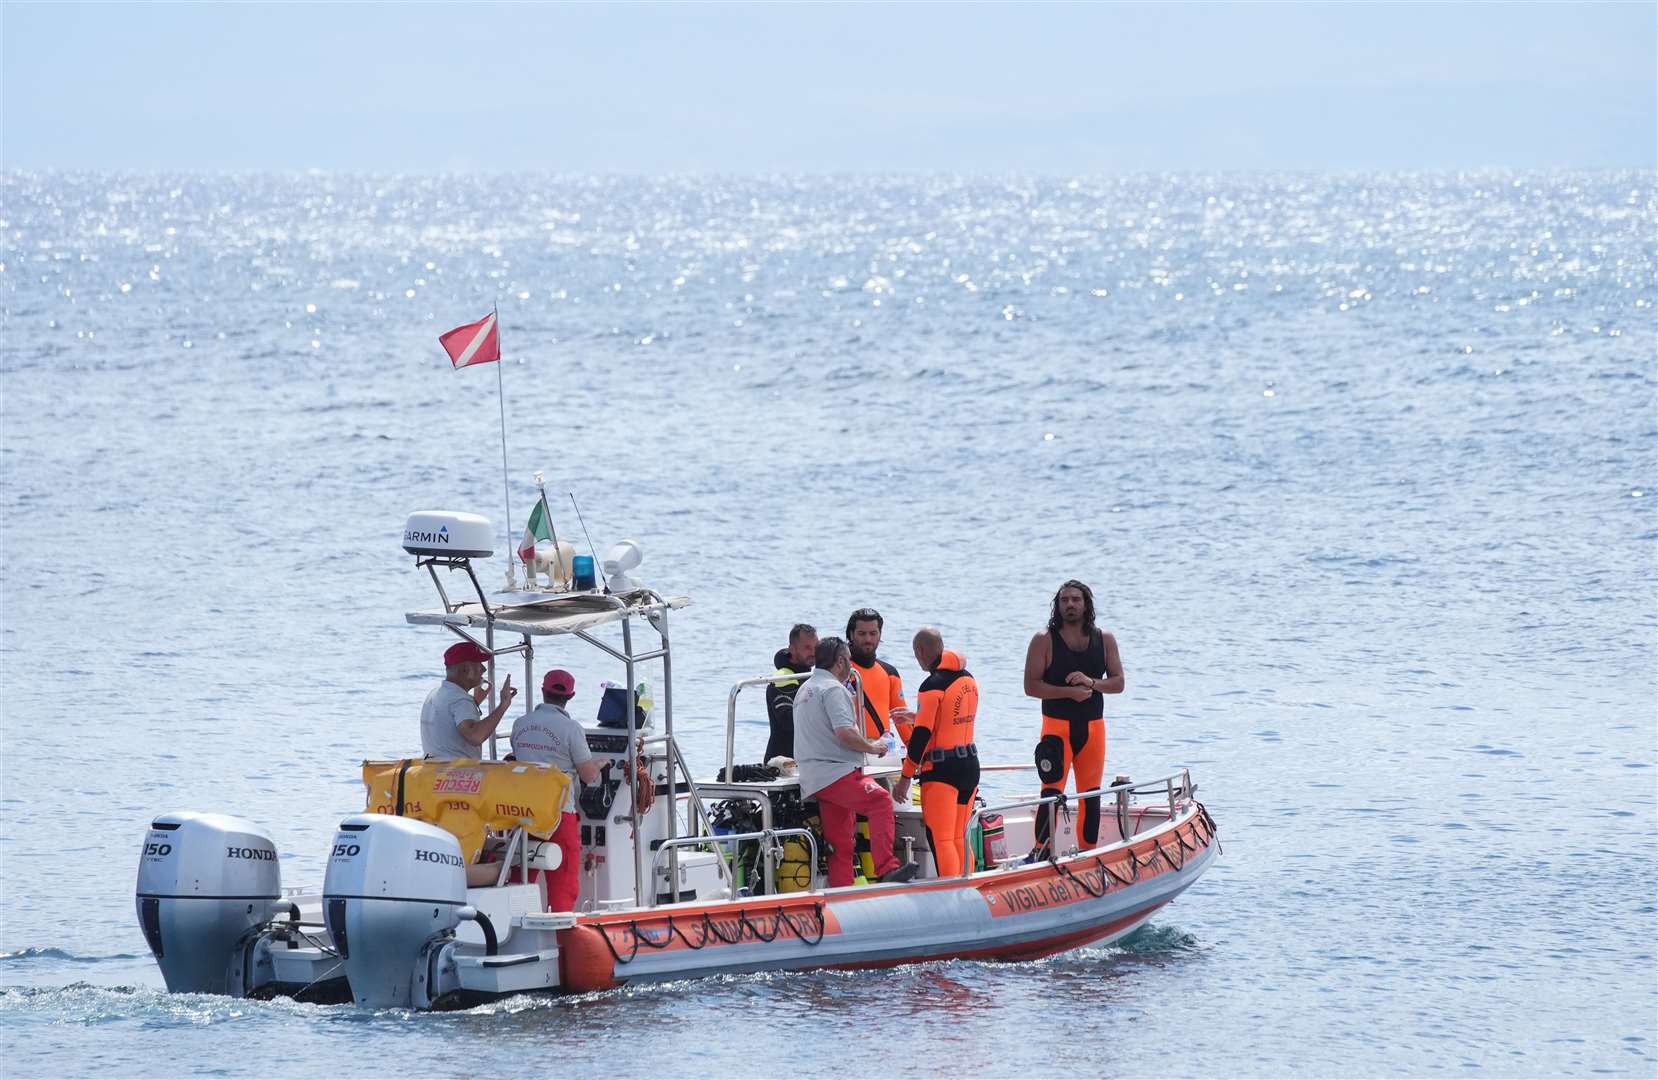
938,810
946,804
1089,763
964,812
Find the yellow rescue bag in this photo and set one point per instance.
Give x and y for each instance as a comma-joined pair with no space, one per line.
466,797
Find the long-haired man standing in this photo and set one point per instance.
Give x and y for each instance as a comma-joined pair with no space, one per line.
1069,667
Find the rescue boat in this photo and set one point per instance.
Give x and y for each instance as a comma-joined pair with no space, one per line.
667,891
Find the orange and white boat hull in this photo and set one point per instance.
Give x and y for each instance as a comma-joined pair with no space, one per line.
1020,913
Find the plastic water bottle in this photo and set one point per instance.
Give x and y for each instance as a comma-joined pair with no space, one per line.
891,739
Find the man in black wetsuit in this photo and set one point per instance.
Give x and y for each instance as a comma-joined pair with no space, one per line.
794,660
1069,667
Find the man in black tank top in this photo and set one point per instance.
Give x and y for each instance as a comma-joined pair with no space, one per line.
1069,667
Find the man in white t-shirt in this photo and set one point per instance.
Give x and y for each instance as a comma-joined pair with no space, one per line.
551,735
452,730
450,727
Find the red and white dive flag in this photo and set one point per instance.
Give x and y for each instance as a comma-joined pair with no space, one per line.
474,343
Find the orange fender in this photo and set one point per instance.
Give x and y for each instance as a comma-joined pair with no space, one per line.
584,961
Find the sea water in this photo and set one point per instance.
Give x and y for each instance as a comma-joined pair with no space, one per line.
1362,470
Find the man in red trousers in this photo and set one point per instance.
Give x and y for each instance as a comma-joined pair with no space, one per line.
829,747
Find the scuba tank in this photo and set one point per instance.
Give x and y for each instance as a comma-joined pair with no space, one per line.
794,869
863,861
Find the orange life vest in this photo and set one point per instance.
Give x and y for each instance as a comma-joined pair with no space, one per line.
883,692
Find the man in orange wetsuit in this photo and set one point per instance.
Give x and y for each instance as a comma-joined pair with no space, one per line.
942,754
1069,667
884,706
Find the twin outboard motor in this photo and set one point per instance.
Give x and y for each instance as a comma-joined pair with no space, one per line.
394,892
211,907
206,884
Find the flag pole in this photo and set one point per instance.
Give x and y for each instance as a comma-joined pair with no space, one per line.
550,526
506,486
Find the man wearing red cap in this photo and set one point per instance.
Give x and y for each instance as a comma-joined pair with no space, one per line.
550,734
450,727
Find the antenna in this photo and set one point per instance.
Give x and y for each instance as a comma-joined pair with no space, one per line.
598,574
506,488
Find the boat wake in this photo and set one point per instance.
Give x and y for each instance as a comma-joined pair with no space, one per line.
87,1003
1152,939
61,956
959,983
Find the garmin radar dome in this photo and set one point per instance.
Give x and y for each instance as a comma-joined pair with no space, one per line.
205,883
448,534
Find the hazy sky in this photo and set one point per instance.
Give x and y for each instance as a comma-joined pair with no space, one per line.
828,87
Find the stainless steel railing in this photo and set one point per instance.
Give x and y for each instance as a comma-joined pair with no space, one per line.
767,837
675,758
731,708
727,792
1179,796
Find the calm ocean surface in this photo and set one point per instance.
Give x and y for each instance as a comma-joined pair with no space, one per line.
1363,468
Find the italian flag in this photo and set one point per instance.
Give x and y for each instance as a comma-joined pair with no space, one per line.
540,528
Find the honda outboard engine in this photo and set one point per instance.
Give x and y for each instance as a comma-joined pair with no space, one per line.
205,883
394,892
